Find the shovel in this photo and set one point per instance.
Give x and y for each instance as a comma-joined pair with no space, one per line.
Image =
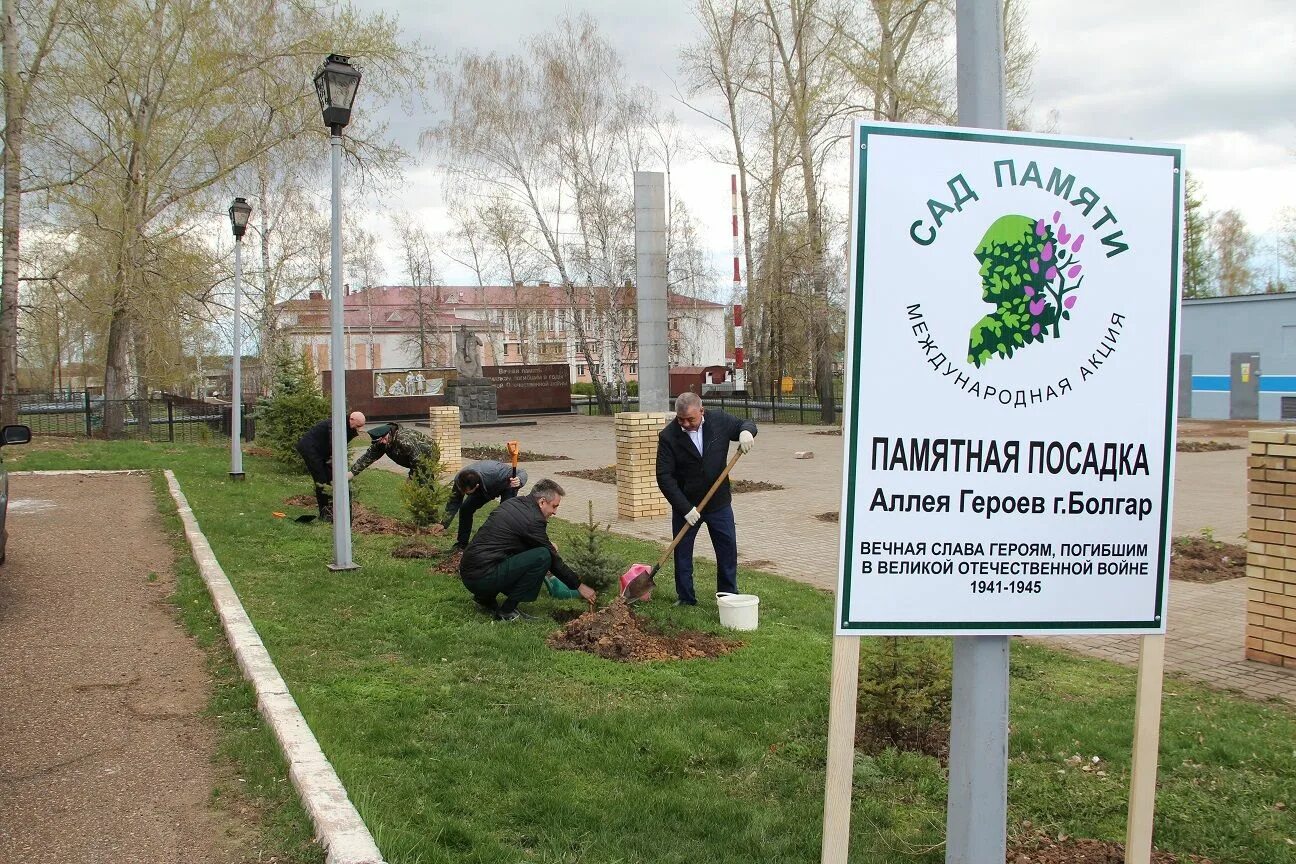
643,583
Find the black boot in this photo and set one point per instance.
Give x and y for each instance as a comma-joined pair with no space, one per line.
325,503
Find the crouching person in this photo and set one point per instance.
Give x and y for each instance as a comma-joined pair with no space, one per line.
511,553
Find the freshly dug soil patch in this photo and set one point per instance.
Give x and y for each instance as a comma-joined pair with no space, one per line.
830,516
828,432
598,475
614,633
448,563
565,616
482,452
301,501
932,741
415,549
608,475
1197,559
366,521
1046,850
740,486
758,564
1205,446
258,451
443,561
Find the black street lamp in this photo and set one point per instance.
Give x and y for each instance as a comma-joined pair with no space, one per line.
336,83
239,212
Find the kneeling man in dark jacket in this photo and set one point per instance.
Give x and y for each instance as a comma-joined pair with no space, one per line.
511,553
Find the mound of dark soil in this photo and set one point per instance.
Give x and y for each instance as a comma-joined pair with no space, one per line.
482,452
830,516
828,432
301,501
415,549
608,475
1205,446
1046,850
614,633
1200,559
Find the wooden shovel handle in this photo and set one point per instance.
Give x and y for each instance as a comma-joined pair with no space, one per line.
705,498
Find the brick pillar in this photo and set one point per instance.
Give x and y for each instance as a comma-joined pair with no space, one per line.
636,465
1271,548
444,420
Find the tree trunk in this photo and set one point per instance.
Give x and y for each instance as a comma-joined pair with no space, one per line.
145,428
13,132
115,378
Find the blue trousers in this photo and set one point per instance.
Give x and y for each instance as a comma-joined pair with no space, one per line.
724,540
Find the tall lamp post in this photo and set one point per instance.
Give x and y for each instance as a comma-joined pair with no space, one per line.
239,212
336,82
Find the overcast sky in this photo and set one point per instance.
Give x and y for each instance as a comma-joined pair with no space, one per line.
1218,78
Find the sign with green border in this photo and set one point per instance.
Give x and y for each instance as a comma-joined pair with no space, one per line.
1012,322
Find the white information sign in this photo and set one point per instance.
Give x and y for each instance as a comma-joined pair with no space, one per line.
1009,420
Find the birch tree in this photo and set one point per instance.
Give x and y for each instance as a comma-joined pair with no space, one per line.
164,103
32,31
553,133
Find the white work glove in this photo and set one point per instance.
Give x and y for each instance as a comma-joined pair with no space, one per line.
745,439
693,516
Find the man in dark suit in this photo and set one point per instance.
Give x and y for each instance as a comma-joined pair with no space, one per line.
691,453
316,450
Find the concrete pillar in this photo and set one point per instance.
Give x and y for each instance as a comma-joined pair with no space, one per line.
444,420
650,274
636,465
1271,548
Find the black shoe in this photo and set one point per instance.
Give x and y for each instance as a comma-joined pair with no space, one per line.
486,608
458,547
684,603
515,615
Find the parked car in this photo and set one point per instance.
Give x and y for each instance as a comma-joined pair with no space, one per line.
8,435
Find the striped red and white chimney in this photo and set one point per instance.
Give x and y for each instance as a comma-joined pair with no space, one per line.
740,372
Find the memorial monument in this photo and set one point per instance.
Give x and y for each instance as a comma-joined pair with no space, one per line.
473,393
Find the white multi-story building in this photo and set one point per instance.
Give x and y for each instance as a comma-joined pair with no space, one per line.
390,328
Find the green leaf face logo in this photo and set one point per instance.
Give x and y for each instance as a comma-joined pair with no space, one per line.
1029,272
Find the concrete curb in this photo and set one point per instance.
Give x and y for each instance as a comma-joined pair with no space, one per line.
337,823
79,472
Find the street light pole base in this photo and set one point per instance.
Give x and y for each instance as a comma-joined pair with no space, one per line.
342,568
237,476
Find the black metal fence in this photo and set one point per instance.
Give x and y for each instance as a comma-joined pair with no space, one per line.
806,410
166,418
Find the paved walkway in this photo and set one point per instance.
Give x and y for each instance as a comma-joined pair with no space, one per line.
778,533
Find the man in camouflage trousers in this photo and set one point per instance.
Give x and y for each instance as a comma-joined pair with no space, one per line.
406,447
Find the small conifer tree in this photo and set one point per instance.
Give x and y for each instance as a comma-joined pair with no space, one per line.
589,557
293,406
904,691
424,493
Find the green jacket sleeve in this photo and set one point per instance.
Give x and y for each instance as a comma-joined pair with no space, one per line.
375,451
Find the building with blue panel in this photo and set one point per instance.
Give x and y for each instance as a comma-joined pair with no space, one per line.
1237,358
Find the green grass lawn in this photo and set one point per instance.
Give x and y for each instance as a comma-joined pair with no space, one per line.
461,740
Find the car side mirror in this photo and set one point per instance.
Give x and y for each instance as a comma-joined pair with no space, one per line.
15,434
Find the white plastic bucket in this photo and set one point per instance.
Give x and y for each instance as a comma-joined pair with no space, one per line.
738,611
